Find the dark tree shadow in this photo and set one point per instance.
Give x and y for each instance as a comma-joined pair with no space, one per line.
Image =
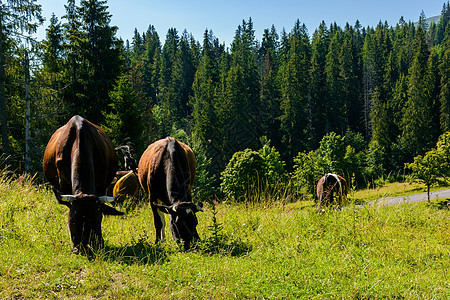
224,246
441,204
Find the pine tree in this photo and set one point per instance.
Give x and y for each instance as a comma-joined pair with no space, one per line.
317,104
295,92
351,76
336,108
52,46
239,103
206,126
270,92
166,89
443,24
18,18
124,122
102,52
151,65
381,121
182,78
74,68
444,95
417,116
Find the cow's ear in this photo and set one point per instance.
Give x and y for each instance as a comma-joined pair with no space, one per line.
164,208
110,211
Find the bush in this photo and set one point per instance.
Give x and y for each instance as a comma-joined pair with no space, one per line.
308,168
243,170
250,171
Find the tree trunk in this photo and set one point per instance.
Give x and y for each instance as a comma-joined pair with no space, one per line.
3,123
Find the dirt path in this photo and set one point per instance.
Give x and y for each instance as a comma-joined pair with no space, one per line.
442,194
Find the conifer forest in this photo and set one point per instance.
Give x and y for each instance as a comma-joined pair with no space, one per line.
368,99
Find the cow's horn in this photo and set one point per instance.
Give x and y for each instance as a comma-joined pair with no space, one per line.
69,198
174,208
199,208
106,199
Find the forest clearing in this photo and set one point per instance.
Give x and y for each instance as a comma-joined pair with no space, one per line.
257,123
260,250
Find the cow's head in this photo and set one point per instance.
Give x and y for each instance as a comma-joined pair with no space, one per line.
183,221
85,218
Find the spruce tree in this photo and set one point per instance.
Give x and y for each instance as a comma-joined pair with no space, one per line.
206,126
101,50
239,102
417,116
151,65
53,46
18,19
294,93
123,123
336,108
182,79
444,95
317,103
269,90
351,76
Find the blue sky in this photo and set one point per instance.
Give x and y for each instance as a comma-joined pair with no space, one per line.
223,17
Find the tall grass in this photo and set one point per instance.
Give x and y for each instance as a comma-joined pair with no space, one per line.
275,250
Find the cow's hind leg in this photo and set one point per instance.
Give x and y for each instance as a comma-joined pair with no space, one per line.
160,223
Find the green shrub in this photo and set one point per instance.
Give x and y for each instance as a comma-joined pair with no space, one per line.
243,170
249,172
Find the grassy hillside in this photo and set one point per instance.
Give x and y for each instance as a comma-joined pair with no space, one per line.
251,251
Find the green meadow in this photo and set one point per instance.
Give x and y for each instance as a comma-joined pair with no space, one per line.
268,250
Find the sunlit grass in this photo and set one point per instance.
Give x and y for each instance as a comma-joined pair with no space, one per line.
281,250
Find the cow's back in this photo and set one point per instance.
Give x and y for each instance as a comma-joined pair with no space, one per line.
80,155
152,168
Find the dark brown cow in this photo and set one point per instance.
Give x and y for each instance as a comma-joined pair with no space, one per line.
166,173
80,162
329,185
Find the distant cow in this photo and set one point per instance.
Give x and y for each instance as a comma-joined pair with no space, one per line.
80,162
166,173
329,186
127,185
110,188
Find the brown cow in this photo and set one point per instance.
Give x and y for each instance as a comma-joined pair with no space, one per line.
167,172
80,162
127,185
110,188
327,186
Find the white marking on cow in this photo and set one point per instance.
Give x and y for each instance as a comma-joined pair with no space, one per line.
163,222
188,211
339,182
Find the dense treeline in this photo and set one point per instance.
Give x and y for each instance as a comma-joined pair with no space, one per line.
384,91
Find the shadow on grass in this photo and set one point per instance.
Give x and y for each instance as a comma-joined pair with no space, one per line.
224,247
441,204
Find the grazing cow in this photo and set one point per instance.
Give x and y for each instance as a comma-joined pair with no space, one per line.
110,188
327,186
166,172
127,185
80,162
